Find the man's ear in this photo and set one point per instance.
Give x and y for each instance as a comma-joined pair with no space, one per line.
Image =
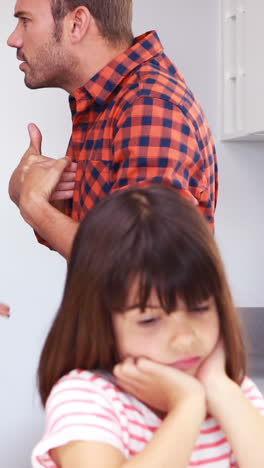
79,21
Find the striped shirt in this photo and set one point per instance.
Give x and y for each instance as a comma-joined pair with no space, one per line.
89,406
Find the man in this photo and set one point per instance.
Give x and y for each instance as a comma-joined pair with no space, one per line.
134,119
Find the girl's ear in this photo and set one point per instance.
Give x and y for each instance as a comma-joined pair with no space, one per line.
79,21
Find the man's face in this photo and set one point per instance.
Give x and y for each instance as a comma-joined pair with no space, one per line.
45,60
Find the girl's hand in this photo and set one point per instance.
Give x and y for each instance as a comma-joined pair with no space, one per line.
213,368
159,386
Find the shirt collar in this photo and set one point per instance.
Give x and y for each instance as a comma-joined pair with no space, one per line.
101,86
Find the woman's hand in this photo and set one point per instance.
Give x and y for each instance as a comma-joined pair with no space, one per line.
4,310
159,386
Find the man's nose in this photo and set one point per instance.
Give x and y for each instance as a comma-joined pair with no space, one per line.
14,40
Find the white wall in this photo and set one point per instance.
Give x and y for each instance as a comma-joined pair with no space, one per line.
32,276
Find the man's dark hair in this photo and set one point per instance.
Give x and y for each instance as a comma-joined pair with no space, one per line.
113,17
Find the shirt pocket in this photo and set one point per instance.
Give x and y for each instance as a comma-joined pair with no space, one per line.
93,183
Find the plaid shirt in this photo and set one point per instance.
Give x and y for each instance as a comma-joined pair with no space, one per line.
136,122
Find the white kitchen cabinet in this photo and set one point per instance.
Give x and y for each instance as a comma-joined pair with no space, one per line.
242,69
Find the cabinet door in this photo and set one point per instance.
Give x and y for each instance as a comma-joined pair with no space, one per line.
254,66
242,69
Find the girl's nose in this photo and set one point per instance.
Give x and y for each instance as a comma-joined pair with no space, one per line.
182,333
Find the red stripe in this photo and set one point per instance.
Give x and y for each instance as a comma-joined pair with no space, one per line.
108,410
67,426
75,389
210,430
58,420
144,426
211,460
211,445
99,416
41,462
132,408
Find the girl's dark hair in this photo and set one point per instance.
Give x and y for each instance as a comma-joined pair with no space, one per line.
152,234
113,17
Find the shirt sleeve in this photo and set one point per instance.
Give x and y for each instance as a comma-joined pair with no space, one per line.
77,410
253,394
155,142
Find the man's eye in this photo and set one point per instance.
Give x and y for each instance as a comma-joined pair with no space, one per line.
24,20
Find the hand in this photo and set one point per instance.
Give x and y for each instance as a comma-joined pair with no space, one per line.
213,368
159,386
4,310
65,186
39,183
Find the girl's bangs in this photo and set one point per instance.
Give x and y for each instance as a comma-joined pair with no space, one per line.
172,276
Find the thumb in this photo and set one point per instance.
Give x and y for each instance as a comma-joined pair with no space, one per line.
35,138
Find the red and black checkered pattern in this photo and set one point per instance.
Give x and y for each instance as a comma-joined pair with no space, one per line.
136,122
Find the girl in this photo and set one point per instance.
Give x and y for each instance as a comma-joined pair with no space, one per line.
144,365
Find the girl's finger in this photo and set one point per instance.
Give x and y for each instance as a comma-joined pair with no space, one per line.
126,367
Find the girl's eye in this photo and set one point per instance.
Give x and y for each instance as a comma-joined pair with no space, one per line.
149,321
201,308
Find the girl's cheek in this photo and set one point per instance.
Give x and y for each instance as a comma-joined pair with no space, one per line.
140,346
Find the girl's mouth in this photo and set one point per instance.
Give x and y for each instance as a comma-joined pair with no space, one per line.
187,363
